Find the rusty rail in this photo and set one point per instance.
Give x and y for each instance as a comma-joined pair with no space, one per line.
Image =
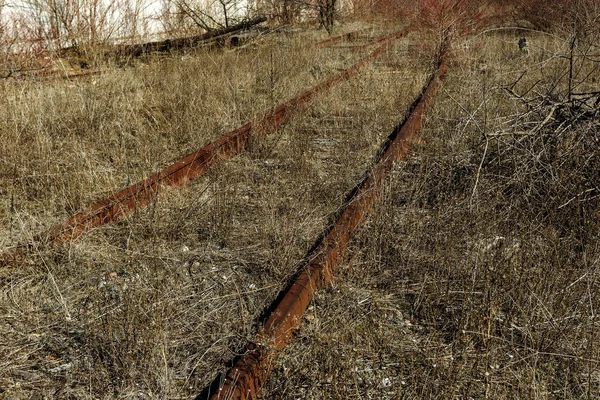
251,370
50,74
190,167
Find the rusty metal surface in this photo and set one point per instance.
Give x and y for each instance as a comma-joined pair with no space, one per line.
192,166
250,371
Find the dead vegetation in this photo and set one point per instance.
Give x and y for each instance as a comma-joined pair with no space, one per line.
154,305
476,277
116,129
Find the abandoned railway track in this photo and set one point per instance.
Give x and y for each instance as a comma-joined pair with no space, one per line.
311,264
245,379
193,165
252,369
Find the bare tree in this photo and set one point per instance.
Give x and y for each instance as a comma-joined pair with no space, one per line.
205,14
290,11
326,12
133,22
21,49
227,7
70,23
281,11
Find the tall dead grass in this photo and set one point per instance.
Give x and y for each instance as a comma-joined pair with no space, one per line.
66,144
477,276
155,305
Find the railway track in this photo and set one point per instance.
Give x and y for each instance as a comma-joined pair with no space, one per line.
194,165
253,368
249,372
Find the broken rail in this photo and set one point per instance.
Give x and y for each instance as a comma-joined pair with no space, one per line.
251,370
139,195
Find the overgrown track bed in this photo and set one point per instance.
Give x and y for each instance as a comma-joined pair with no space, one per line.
192,166
151,305
473,277
248,374
119,128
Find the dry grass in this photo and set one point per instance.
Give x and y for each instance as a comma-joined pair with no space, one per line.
152,306
65,144
477,277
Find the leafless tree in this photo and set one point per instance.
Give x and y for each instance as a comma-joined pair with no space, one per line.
20,49
327,12
205,14
287,11
66,23
281,11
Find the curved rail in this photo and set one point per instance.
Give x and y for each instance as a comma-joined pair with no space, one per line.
139,195
251,370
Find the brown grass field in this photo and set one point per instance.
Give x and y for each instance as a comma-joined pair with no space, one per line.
476,276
